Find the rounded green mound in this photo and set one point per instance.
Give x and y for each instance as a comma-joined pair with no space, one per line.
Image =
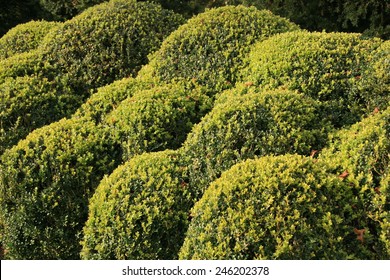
107,98
103,44
374,85
362,153
274,207
30,102
25,37
209,49
324,66
108,42
23,64
157,119
45,183
140,211
251,123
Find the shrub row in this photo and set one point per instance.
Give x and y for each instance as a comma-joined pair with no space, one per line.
294,207
105,43
47,179
142,209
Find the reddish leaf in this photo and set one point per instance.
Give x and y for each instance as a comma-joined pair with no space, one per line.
360,234
344,174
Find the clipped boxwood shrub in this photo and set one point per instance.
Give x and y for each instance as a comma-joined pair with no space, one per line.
67,159
209,49
324,66
108,42
249,125
362,153
275,207
157,119
101,45
45,183
24,37
140,211
30,102
24,64
107,98
374,84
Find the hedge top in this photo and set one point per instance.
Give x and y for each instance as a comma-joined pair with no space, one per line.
253,124
274,207
140,211
25,37
45,183
324,66
210,47
108,41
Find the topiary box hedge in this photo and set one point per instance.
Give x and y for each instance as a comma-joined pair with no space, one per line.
105,43
361,155
45,183
324,66
141,210
275,207
25,37
209,49
250,123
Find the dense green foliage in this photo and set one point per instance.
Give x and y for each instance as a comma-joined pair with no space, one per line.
250,124
108,97
68,158
156,119
221,117
140,211
364,152
24,37
45,183
285,207
105,43
325,66
23,64
209,49
374,84
108,42
27,103
384,214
